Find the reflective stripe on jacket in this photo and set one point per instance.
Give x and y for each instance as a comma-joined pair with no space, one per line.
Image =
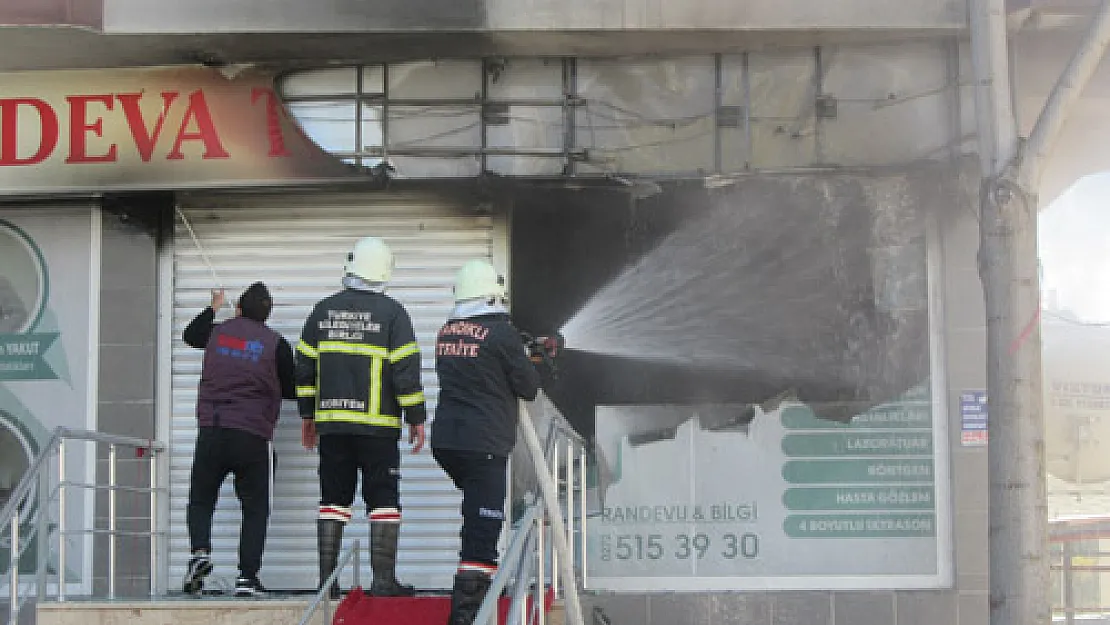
358,366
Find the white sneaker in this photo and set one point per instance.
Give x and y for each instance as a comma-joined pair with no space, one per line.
249,587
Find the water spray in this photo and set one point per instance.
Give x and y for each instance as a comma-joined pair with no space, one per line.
755,289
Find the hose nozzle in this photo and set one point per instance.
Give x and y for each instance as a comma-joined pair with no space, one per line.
543,348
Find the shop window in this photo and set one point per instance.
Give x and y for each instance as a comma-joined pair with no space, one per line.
647,115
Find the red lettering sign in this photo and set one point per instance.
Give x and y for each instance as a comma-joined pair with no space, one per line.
9,131
79,128
94,134
206,130
273,120
145,139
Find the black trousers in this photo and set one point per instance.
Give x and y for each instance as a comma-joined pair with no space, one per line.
221,451
481,478
344,456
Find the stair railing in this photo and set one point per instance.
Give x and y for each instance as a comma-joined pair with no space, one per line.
557,501
322,598
35,514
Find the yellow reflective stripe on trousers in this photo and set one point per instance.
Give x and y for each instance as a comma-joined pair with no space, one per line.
350,416
356,349
376,385
415,399
306,391
307,350
403,352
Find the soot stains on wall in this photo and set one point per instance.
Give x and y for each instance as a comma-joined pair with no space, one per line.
806,286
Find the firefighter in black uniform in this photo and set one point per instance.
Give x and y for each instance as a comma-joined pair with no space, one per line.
358,368
483,371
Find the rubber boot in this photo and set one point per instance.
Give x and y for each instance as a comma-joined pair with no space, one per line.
329,539
466,596
383,561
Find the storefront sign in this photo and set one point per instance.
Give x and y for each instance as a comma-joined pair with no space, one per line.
790,502
162,128
48,275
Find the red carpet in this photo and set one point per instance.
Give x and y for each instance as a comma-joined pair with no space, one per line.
358,608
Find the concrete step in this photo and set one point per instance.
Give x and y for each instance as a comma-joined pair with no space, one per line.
189,611
184,611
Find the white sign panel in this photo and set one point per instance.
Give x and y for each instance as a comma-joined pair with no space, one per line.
788,501
49,274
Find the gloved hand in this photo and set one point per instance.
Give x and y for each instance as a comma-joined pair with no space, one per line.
531,346
536,354
308,433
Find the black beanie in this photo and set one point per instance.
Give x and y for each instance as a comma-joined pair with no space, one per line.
255,303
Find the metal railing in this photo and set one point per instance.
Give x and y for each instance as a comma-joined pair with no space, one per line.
547,553
323,595
1082,580
524,568
1080,569
35,514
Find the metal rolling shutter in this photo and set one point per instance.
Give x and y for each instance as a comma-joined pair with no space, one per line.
297,245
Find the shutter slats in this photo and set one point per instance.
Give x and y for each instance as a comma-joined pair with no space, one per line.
297,245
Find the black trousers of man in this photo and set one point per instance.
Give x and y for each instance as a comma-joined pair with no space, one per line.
221,451
377,458
481,478
344,456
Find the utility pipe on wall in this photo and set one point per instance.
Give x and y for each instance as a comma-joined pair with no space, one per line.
1063,98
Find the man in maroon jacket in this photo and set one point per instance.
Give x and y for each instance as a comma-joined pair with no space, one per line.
247,371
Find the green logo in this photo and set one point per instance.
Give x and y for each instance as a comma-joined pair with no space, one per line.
24,291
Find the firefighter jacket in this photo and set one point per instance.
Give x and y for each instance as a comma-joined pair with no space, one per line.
483,372
358,366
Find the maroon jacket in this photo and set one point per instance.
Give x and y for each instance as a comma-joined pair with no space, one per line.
247,371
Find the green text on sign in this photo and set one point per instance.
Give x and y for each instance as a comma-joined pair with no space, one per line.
863,498
861,444
858,471
22,356
906,415
861,526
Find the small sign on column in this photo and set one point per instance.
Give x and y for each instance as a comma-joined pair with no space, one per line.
973,418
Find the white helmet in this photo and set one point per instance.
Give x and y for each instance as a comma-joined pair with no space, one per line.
478,279
370,259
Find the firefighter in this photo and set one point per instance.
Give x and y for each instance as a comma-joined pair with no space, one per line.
247,371
358,369
483,371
